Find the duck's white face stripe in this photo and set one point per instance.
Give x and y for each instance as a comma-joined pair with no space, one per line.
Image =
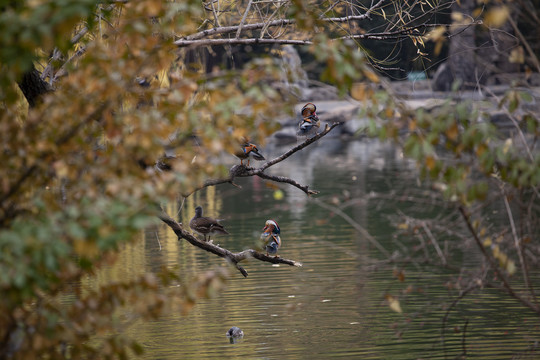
272,222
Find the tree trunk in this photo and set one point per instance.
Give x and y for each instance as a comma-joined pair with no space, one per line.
32,86
462,59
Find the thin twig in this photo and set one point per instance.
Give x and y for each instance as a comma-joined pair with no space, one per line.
354,224
463,337
434,242
243,171
157,237
493,264
452,305
256,26
251,41
299,147
239,31
518,246
514,122
283,179
525,43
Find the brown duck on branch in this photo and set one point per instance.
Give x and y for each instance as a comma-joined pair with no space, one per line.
205,225
248,151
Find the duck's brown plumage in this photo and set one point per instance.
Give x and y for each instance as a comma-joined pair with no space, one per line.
249,150
310,121
308,109
206,225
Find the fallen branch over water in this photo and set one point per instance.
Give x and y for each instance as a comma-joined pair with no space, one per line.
233,258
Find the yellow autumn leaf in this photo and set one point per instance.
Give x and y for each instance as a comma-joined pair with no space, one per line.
85,248
496,251
452,132
430,162
517,56
403,226
61,169
438,47
163,78
507,145
503,258
483,231
358,91
393,303
511,267
371,76
457,16
278,194
497,16
481,149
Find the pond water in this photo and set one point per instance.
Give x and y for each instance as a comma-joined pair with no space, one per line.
337,303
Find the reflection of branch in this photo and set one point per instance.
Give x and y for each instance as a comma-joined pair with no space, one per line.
243,171
493,264
518,245
356,225
454,303
463,343
234,258
434,242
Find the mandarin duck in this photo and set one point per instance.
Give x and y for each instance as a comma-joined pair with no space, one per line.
248,151
310,121
270,237
235,334
206,225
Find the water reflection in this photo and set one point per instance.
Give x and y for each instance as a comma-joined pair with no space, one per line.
333,306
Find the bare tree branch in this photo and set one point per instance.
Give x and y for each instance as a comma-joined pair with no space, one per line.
283,179
518,245
242,27
506,285
354,224
299,147
233,258
239,31
242,171
236,41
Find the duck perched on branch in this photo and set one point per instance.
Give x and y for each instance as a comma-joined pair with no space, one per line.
310,123
206,225
248,151
270,237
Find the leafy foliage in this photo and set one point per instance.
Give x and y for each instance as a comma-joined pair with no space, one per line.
82,166
120,98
